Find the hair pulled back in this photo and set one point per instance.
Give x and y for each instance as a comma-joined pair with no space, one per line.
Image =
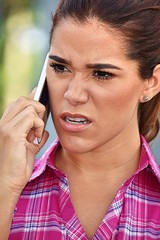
139,22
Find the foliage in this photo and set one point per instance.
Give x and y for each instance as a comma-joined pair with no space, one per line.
7,7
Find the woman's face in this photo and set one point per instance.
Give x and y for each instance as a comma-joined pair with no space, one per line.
94,88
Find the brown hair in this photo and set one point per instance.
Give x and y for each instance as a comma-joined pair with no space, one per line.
139,21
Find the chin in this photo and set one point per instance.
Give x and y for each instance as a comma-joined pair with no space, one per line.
76,145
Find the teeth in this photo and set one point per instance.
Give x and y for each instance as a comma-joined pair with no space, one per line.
76,120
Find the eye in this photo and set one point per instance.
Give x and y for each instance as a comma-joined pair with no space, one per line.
102,75
59,68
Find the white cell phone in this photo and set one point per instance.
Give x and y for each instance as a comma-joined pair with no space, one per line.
41,93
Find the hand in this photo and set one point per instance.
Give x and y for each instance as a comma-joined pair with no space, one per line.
20,124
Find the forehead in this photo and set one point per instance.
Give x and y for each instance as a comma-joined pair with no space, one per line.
91,25
89,37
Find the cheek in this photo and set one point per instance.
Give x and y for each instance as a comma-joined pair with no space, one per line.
128,94
121,103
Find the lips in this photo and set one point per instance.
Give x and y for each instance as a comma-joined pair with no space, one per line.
74,122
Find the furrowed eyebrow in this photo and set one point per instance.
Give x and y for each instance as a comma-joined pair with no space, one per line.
102,66
95,66
58,59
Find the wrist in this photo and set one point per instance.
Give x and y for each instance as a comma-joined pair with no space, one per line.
8,198
8,201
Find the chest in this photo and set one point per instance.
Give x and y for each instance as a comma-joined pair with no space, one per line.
91,204
66,217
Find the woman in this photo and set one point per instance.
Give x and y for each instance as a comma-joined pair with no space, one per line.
99,180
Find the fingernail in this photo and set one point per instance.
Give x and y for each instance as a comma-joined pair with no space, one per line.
39,140
36,141
34,89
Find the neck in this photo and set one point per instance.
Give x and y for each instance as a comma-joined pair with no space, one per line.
114,159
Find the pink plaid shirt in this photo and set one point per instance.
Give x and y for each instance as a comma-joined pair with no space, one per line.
45,211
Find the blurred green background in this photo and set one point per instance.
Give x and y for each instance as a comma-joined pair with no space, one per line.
24,42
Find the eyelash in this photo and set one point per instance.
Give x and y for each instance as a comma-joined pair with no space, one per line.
59,68
97,74
102,75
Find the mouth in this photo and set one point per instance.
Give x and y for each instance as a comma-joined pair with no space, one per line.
76,120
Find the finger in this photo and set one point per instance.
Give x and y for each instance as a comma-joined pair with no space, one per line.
32,94
19,127
36,148
23,102
7,110
44,139
31,136
11,105
28,120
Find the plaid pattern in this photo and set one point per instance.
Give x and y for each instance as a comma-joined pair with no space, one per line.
45,212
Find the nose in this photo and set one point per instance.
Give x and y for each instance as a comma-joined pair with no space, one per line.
76,92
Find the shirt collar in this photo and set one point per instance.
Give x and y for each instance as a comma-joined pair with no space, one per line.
46,160
146,159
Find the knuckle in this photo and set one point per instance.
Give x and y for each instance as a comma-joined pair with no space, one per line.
21,100
31,108
11,104
31,111
7,111
42,123
43,108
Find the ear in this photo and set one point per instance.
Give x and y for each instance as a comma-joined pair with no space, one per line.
151,86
